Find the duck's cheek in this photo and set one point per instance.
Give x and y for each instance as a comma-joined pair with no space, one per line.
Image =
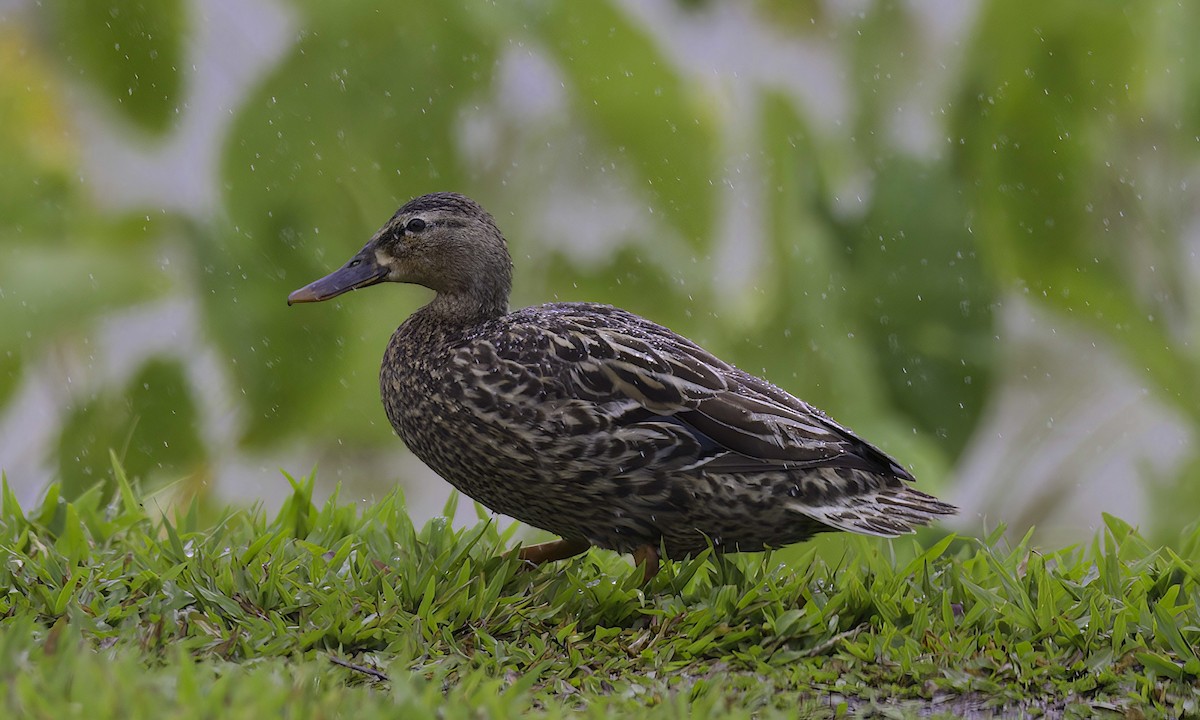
397,269
414,270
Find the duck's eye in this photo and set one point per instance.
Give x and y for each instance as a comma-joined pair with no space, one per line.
415,225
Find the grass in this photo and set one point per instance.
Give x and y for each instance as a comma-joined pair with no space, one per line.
109,610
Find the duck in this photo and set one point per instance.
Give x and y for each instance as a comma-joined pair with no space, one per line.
598,425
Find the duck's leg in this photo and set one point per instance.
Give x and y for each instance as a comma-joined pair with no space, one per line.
553,550
647,556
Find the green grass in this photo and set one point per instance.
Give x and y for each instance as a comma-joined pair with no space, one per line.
108,610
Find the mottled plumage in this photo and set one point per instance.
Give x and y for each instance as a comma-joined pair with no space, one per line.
599,425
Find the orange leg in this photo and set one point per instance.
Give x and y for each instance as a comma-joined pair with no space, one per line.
647,556
553,550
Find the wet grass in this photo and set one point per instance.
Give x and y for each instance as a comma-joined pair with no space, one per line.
108,610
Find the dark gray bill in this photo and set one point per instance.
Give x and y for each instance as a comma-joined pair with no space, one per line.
361,271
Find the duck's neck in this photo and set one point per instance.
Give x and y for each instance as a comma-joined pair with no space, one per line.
465,308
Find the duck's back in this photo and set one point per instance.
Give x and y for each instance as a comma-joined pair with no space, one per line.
597,424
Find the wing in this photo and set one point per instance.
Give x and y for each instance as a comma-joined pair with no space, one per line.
659,400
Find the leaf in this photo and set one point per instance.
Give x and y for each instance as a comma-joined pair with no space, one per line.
1060,191
55,289
1118,528
165,440
809,320
40,195
73,540
130,51
1166,627
152,428
930,555
1159,664
651,121
924,298
10,509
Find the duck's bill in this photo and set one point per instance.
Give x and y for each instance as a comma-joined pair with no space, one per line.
361,271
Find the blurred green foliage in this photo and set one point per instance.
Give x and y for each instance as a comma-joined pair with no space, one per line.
150,424
1075,135
642,111
129,52
1066,135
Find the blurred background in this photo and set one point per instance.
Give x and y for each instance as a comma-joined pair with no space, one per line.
966,228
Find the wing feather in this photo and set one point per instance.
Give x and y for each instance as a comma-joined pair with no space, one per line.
738,423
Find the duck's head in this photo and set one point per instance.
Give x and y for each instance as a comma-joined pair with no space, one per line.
443,241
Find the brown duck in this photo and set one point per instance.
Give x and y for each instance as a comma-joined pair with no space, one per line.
598,425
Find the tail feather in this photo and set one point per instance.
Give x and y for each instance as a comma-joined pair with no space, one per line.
884,512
